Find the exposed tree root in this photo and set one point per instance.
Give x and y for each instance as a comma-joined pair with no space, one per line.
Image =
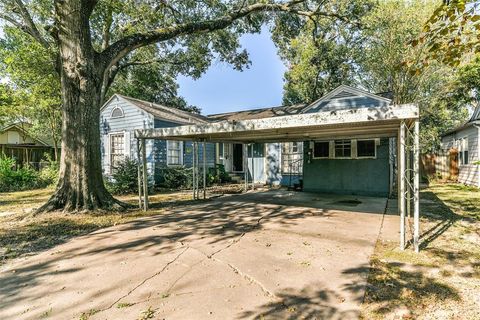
72,202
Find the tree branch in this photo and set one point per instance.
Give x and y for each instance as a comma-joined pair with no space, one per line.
116,51
30,26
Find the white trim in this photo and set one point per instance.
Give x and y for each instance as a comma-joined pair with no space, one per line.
117,108
329,149
109,148
180,159
376,142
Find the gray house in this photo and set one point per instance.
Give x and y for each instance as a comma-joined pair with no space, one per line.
360,164
464,140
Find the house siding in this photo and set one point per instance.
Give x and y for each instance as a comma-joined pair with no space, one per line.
467,173
369,177
347,103
134,118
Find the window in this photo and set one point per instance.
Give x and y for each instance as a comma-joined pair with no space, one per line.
117,150
117,112
321,149
174,153
463,151
343,148
292,157
366,148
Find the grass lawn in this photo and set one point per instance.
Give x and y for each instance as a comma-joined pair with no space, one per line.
443,280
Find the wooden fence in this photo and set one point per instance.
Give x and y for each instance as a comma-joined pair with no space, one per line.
443,165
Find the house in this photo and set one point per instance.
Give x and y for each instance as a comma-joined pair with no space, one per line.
462,143
16,142
354,164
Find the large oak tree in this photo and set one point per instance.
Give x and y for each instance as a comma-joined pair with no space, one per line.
92,40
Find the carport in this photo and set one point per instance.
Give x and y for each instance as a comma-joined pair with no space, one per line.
394,121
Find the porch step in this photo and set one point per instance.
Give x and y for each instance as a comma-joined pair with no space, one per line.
237,177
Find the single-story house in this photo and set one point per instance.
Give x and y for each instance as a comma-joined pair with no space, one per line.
463,142
361,164
16,142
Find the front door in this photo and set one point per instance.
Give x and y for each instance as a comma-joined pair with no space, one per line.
237,157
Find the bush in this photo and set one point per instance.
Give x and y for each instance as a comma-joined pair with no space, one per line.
125,177
177,177
48,176
24,178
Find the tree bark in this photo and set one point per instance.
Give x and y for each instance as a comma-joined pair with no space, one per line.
80,186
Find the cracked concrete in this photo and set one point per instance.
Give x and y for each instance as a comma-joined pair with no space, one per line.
274,254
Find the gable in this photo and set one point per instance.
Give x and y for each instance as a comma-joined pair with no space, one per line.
346,97
15,134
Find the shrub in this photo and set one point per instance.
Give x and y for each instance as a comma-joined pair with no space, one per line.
15,180
177,177
48,175
221,175
124,178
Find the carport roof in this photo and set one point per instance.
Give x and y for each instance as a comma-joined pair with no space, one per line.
381,121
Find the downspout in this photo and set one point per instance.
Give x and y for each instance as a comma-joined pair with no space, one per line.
478,156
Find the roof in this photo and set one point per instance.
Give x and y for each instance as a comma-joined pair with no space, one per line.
25,132
258,113
383,121
163,112
341,98
474,120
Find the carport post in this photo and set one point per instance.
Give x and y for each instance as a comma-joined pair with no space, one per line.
245,166
253,170
139,175
416,186
145,177
204,170
401,177
194,147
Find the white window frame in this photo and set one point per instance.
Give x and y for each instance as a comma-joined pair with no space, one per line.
375,149
110,135
462,148
351,149
329,149
180,157
113,110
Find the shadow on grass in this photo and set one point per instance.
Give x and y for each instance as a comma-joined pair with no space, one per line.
435,210
391,285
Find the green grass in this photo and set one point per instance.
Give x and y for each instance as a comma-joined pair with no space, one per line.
444,278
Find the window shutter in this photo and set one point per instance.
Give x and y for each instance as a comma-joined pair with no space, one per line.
127,144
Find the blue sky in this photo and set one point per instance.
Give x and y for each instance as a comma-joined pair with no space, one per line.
222,89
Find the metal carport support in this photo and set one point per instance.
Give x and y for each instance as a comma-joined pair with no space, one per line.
409,182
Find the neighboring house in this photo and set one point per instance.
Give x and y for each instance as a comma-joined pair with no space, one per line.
16,142
463,141
368,159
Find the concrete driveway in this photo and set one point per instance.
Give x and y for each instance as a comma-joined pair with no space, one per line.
271,254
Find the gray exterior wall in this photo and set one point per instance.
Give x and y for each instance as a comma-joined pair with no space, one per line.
134,118
369,177
468,173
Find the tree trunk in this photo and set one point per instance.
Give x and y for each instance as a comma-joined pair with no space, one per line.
80,187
